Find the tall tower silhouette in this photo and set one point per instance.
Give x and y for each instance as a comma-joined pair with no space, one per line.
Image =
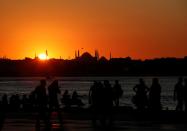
78,54
46,52
75,54
110,55
97,54
35,56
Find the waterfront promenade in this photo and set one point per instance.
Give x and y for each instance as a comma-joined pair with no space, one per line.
80,120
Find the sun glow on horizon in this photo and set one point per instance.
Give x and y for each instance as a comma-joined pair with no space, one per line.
43,56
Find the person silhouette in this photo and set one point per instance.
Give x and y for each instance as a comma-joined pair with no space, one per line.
185,94
76,100
178,94
154,95
25,102
5,102
107,104
140,98
41,105
32,101
118,92
93,94
53,91
95,97
15,102
66,100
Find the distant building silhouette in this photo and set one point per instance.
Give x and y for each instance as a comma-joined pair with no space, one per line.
110,55
75,54
97,54
46,53
78,54
86,64
103,59
87,57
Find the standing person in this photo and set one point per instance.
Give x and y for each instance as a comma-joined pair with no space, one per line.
94,99
5,102
107,104
178,94
140,99
154,95
92,96
53,91
41,104
118,92
66,100
76,100
185,94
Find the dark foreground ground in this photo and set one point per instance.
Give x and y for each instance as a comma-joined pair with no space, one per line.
76,119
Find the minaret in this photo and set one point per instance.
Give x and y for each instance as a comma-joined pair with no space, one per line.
110,55
36,57
75,54
78,54
46,52
97,54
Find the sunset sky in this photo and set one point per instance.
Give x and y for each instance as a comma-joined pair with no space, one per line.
136,28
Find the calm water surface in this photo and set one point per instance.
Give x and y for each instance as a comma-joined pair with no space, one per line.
21,86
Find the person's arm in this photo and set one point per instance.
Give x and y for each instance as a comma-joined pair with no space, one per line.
35,90
89,96
59,91
147,89
174,94
135,88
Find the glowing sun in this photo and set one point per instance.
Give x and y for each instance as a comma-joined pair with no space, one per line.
43,56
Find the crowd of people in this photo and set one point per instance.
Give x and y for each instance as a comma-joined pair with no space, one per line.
38,97
150,97
147,97
180,94
102,97
43,96
100,93
69,100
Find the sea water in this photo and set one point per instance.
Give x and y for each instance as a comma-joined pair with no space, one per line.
25,85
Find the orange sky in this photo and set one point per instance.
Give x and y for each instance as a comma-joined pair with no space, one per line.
136,28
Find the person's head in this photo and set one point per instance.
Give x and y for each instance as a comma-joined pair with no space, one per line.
5,96
180,80
74,91
116,81
185,81
106,82
43,82
24,96
99,84
55,83
155,80
141,81
66,92
95,82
